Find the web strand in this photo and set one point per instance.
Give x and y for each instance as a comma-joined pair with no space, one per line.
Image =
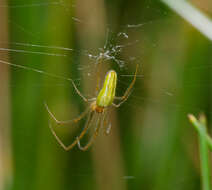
37,71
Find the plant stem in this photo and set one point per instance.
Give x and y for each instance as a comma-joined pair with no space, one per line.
196,125
204,159
200,125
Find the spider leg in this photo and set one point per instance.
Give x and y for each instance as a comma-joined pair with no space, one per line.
80,94
108,129
107,125
123,100
99,62
83,114
99,123
128,91
69,147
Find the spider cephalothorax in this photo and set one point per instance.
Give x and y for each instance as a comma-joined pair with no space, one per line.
96,108
97,111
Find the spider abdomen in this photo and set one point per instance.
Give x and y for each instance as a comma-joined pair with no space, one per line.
107,93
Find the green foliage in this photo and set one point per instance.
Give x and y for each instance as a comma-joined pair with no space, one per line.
204,143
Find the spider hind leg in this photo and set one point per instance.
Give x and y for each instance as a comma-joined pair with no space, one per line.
99,123
83,132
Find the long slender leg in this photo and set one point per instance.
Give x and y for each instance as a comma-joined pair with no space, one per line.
123,100
83,114
108,129
128,91
99,123
107,125
80,94
98,74
87,125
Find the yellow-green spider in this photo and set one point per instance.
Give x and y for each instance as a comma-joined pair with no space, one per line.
97,110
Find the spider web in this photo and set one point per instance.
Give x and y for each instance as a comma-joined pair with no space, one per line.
122,50
115,43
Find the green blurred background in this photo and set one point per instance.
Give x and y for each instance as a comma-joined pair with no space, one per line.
151,145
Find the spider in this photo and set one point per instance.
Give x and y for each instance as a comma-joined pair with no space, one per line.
97,110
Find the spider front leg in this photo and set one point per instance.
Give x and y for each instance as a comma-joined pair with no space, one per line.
99,63
127,92
122,98
80,94
82,115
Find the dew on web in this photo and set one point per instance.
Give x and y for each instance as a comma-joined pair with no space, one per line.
114,45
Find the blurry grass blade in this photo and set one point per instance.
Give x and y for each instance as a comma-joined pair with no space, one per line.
203,145
195,123
194,16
